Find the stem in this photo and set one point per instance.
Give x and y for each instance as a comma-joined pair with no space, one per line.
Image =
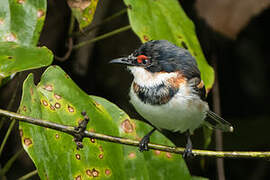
122,29
70,40
68,53
11,102
218,134
28,175
178,150
10,162
71,25
89,29
6,136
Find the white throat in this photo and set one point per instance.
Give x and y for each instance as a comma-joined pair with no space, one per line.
145,78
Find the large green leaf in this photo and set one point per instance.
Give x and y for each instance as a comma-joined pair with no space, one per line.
21,21
83,10
154,20
57,98
15,58
152,164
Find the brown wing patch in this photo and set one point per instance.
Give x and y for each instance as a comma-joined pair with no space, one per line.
177,81
200,85
136,87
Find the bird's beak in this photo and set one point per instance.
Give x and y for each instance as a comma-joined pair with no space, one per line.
124,60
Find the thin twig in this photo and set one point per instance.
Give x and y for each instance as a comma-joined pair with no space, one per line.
178,150
12,100
28,175
71,25
122,29
218,134
68,53
108,19
70,40
6,136
7,166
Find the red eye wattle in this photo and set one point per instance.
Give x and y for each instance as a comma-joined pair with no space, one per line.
141,58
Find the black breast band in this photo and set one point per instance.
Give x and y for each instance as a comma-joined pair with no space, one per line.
156,95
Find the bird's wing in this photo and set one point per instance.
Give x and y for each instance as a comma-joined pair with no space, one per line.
212,120
198,87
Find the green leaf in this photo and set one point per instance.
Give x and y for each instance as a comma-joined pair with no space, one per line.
152,164
21,21
57,98
154,20
15,58
83,10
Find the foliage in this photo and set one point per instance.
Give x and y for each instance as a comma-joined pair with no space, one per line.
154,20
83,10
20,25
60,100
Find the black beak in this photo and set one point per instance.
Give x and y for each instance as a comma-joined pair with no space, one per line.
124,60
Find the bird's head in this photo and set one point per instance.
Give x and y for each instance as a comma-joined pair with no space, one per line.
157,57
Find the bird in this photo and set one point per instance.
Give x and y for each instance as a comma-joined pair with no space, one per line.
168,92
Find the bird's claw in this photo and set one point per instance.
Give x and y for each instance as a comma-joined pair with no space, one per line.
187,153
143,144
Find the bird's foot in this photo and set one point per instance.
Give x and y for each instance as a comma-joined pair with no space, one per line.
143,145
188,151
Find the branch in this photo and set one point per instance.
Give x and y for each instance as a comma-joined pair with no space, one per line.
178,150
68,53
92,27
125,28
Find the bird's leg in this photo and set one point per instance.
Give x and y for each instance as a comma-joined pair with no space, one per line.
143,145
188,150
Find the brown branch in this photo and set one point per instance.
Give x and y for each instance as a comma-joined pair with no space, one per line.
109,34
218,133
68,53
178,150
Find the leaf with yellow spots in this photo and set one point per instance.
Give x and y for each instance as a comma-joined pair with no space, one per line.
83,10
157,19
15,58
21,22
152,164
58,99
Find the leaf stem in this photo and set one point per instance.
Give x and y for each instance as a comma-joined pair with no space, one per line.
10,162
28,175
71,25
122,29
178,150
6,136
90,28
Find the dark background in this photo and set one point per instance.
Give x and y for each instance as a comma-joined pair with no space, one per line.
243,74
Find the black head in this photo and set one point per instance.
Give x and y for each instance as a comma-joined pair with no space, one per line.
161,56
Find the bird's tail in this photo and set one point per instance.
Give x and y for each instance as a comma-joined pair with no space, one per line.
213,120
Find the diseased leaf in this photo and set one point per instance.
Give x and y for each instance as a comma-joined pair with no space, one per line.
58,99
155,20
21,21
83,10
15,58
152,164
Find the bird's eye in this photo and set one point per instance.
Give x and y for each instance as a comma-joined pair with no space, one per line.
142,59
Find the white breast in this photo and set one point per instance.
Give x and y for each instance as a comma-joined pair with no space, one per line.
183,112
